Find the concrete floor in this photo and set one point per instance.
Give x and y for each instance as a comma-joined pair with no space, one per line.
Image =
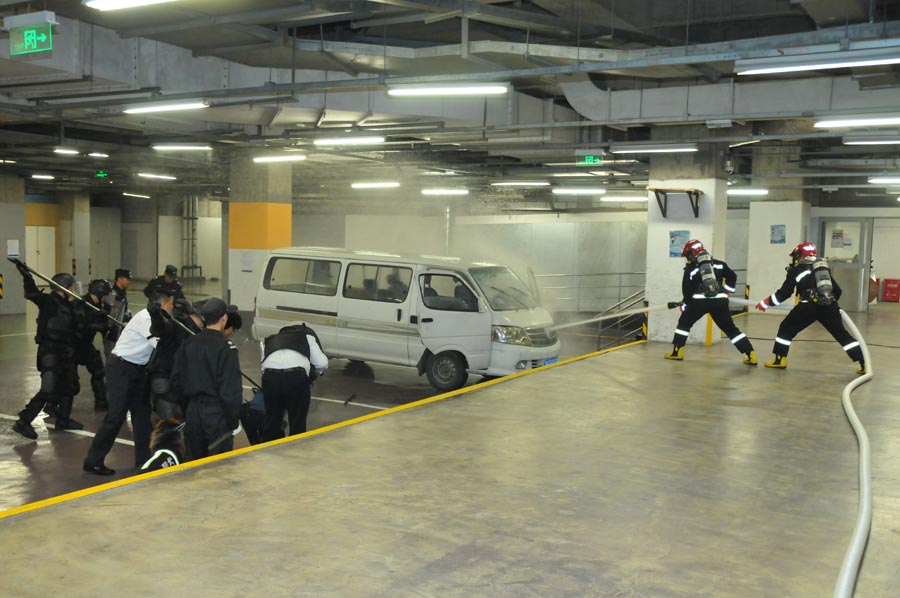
619,475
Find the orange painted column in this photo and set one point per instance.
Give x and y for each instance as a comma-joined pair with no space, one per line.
259,220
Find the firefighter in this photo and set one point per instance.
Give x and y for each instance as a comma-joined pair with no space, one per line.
57,333
705,287
818,302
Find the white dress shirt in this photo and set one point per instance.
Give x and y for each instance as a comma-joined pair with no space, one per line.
285,359
133,345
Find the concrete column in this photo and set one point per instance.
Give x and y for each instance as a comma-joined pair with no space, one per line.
12,228
169,226
702,171
74,235
259,219
770,222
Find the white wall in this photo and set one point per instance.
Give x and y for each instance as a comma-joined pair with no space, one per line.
737,240
12,227
320,230
209,246
766,261
138,249
398,234
885,241
170,243
106,242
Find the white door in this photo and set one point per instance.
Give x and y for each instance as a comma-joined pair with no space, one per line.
373,313
40,248
451,316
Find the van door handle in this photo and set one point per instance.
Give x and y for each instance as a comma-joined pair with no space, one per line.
413,319
427,320
399,314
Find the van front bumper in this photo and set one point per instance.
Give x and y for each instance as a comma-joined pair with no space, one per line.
509,359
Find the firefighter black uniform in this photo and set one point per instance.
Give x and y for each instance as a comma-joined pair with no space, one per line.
171,334
811,308
701,297
57,331
207,377
292,359
118,309
93,323
167,280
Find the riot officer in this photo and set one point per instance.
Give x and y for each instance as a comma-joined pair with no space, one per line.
818,293
292,359
168,280
118,308
57,331
172,330
705,287
93,323
207,377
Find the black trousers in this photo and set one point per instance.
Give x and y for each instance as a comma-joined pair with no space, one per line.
285,391
126,393
59,382
206,425
805,314
89,357
718,309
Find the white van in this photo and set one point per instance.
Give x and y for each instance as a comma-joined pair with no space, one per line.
441,315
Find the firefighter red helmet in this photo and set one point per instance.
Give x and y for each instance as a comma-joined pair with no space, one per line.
805,249
691,249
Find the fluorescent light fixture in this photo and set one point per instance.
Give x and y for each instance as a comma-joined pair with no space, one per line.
740,143
284,158
578,191
448,90
376,185
521,184
845,59
348,141
747,192
98,155
182,148
136,195
884,180
43,177
7,161
445,191
872,140
623,198
66,151
439,173
845,123
148,175
653,148
120,4
166,107
574,174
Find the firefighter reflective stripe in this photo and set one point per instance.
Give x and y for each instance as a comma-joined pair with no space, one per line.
718,266
728,288
852,345
803,275
719,296
738,338
693,272
682,332
781,341
774,300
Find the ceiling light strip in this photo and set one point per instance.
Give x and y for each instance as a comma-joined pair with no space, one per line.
285,158
376,185
166,108
149,175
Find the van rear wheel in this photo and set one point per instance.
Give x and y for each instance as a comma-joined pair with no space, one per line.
446,371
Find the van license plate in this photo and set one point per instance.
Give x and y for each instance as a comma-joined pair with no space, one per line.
551,360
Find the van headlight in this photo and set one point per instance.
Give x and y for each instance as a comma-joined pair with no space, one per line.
512,335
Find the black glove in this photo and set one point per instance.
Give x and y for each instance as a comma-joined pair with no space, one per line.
21,267
673,304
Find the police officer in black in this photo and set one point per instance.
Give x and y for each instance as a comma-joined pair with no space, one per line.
292,359
172,330
167,280
57,332
118,308
93,323
705,287
207,377
819,294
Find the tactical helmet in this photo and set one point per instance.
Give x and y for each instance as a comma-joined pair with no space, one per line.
803,250
691,249
99,288
67,281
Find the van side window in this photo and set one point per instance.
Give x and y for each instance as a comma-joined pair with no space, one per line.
293,275
446,292
376,282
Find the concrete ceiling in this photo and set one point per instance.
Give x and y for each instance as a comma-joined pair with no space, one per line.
279,73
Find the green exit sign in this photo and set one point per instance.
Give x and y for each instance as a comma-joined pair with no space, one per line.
101,174
30,38
590,161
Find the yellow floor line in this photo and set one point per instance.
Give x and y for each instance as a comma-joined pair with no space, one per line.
34,506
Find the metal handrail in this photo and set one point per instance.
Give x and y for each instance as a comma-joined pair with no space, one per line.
624,304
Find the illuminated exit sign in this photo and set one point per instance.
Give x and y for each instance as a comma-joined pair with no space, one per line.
29,39
590,161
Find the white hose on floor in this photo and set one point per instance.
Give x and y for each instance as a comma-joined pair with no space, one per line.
846,581
618,314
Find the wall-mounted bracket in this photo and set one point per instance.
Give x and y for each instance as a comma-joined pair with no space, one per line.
662,199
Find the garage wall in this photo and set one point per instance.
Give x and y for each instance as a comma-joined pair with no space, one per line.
169,251
395,234
12,227
139,244
209,246
318,230
885,241
106,242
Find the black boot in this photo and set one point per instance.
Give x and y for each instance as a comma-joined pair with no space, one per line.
25,429
63,419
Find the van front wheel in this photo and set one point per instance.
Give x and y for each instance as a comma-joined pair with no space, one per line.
446,371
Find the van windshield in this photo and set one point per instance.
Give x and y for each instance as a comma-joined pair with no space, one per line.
502,288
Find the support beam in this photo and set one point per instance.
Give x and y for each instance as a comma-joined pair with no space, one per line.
226,50
201,20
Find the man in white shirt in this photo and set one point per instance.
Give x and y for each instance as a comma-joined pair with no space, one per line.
125,374
292,359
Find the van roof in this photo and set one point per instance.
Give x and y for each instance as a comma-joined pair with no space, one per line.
341,252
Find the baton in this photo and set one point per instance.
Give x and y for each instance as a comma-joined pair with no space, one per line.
59,287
